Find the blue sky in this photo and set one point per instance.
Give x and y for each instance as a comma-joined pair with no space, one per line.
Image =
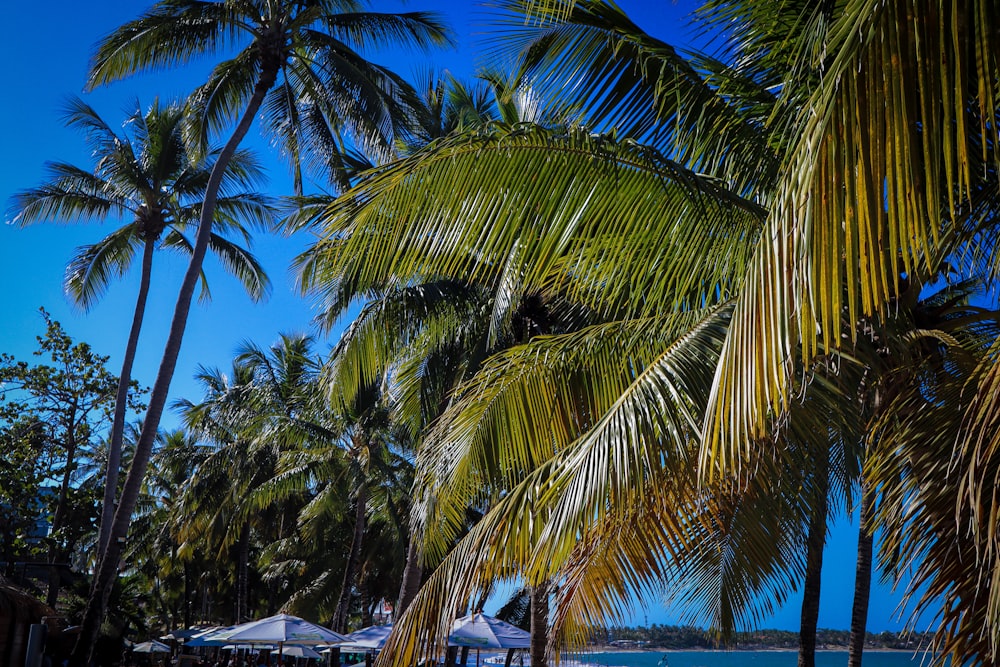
46,47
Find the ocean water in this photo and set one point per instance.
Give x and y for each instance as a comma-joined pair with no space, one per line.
745,659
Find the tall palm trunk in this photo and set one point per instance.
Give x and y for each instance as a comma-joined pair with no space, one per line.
815,541
862,578
121,401
412,574
188,620
243,567
107,570
360,514
539,625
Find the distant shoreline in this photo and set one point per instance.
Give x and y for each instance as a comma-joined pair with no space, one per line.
741,649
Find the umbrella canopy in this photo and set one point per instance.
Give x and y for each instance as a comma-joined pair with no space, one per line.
282,628
298,652
372,637
183,633
210,637
151,647
482,631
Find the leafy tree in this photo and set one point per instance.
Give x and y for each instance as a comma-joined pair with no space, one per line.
60,410
21,476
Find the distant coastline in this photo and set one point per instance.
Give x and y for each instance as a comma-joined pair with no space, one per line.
688,638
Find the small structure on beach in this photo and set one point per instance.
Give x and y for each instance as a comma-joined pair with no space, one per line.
18,612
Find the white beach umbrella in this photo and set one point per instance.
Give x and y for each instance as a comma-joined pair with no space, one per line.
482,631
282,629
210,637
181,634
151,647
366,639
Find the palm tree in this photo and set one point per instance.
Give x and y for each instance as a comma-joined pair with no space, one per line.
305,49
688,108
212,508
147,175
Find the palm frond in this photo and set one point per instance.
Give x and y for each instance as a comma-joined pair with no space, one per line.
169,33
588,210
93,267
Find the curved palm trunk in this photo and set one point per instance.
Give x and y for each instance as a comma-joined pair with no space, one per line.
815,542
107,569
862,579
539,625
340,617
121,401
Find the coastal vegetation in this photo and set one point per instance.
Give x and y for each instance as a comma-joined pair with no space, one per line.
621,319
687,638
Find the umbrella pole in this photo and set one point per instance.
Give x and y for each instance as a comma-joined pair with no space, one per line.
281,653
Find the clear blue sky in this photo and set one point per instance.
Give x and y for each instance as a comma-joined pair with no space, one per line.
46,47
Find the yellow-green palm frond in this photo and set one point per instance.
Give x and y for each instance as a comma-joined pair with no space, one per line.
616,399
878,177
725,555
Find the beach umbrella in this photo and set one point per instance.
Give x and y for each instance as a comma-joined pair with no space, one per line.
482,631
210,637
183,633
151,647
298,652
281,629
371,638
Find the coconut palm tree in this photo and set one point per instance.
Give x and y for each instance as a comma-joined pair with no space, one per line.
211,508
306,49
688,108
147,177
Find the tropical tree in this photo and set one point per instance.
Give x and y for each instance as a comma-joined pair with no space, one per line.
302,48
147,177
168,573
211,511
762,146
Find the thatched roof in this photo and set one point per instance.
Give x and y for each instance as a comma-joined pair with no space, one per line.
17,602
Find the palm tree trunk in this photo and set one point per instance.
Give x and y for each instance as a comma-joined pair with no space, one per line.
539,625
862,579
343,607
412,574
121,401
815,541
243,566
186,612
107,570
